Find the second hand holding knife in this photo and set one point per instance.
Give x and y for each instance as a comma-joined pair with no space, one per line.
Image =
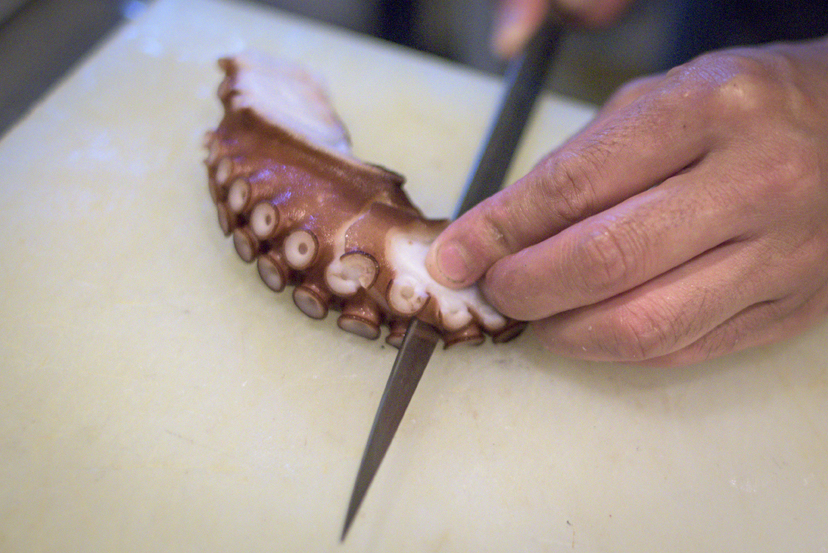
525,77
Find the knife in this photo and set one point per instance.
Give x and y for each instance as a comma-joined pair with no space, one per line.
524,81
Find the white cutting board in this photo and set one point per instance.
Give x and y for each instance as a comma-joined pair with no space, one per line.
156,396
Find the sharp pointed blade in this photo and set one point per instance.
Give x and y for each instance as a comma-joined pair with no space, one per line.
415,352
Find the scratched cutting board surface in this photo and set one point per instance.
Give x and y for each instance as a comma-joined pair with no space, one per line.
156,396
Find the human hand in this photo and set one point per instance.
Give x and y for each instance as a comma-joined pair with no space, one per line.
688,220
517,20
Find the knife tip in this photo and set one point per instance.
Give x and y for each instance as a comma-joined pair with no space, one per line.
345,529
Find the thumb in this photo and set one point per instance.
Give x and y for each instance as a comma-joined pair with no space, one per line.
503,224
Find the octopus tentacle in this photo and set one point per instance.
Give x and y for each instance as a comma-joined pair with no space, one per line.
295,200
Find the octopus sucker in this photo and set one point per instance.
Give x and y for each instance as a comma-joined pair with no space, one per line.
361,317
301,249
224,169
227,220
264,220
312,299
238,195
297,202
396,332
352,272
469,335
247,245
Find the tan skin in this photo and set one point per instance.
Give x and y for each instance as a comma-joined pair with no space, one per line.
517,20
688,220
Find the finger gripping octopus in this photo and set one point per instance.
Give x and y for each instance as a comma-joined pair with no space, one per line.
311,215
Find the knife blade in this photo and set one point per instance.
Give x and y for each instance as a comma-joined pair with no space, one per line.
524,80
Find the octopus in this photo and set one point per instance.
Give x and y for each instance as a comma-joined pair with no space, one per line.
341,232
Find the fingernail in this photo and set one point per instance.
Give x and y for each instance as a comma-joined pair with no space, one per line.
451,262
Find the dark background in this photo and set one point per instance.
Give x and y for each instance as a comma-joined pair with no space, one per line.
41,39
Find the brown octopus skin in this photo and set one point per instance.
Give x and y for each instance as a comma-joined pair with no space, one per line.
295,206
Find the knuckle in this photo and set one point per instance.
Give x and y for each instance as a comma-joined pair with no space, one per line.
728,82
806,258
496,229
795,166
569,185
720,341
788,177
607,257
636,332
746,90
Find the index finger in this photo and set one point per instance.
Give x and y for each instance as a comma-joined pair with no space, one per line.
620,154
